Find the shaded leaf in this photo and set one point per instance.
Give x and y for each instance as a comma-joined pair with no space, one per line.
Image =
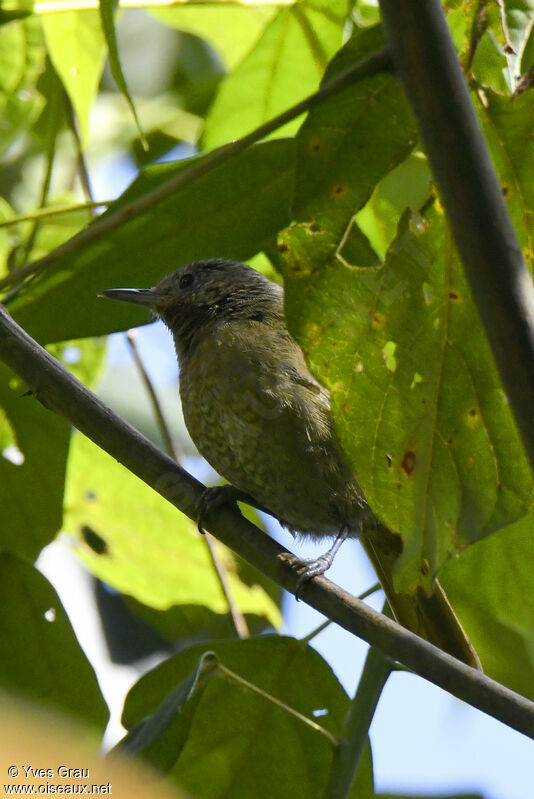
232,725
32,469
349,142
507,126
34,445
46,662
161,736
231,212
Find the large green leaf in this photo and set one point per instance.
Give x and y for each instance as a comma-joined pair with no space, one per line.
285,65
76,47
233,211
39,654
421,413
233,725
152,551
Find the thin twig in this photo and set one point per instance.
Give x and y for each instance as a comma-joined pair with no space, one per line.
57,389
374,64
171,448
169,445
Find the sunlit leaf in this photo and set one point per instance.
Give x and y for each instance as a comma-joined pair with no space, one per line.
21,62
76,47
284,66
231,29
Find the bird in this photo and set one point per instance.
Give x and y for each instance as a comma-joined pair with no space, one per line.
264,423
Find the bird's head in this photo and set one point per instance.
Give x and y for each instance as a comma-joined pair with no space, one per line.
205,293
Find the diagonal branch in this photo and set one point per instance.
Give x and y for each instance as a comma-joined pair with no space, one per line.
427,64
378,62
58,390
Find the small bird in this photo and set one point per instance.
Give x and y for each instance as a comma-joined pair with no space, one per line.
263,422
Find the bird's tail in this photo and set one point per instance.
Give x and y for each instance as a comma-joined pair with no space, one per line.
430,616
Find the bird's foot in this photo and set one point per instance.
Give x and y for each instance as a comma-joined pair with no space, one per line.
315,567
216,496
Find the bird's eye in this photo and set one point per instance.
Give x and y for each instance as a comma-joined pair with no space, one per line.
186,280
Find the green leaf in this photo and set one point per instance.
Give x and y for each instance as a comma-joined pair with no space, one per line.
161,736
421,413
233,725
490,586
107,11
349,142
77,47
507,126
39,654
32,469
230,29
21,62
231,212
153,552
285,65
34,445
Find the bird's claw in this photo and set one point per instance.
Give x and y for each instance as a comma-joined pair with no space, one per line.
212,498
310,568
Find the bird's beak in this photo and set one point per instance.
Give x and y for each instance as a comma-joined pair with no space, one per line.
147,297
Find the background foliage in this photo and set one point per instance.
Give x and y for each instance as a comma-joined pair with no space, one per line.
342,203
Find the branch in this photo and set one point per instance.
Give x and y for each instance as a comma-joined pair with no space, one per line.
426,61
58,390
378,62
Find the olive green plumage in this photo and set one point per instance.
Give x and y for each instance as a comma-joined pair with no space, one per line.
250,404
263,422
